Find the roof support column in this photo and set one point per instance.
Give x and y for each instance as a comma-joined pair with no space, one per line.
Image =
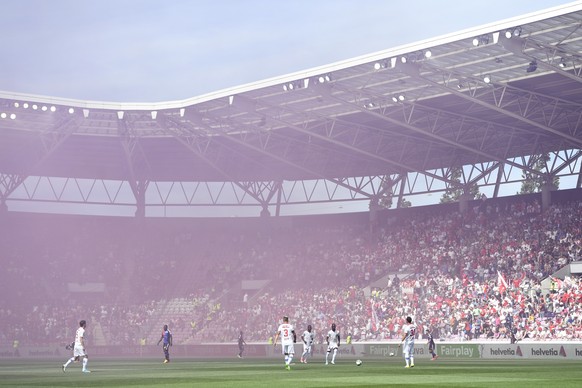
8,183
3,207
464,199
139,189
265,213
547,189
278,208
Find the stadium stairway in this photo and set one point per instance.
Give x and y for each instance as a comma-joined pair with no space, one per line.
98,335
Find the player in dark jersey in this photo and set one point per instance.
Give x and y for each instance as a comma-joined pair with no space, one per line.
431,344
167,338
241,344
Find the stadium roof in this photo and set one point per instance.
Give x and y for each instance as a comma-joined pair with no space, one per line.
487,96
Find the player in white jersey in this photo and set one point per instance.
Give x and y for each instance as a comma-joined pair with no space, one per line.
288,338
307,338
333,343
408,333
79,348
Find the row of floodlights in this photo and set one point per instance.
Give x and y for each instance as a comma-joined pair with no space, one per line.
4,115
44,108
396,98
26,105
303,84
391,63
484,39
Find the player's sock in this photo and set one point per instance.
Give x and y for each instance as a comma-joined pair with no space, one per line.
407,361
411,361
290,359
85,361
69,361
286,360
333,357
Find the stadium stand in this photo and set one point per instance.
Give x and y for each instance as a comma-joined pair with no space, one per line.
130,280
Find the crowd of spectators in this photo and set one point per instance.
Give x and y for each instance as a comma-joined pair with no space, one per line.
449,263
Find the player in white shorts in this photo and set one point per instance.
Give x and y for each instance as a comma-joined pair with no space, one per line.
409,331
333,343
79,348
307,338
288,338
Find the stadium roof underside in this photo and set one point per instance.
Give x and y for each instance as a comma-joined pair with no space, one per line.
487,100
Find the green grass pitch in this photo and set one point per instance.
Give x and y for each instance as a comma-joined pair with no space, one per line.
271,373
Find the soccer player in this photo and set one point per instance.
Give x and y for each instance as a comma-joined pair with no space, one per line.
167,338
288,338
79,348
307,337
431,344
409,331
241,344
333,343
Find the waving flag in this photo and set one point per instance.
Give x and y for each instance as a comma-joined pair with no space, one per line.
501,283
374,320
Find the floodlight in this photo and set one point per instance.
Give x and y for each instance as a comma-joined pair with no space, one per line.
516,31
324,78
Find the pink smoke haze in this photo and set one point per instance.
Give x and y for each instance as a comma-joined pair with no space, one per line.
209,278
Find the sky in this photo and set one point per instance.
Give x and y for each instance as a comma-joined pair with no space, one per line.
167,50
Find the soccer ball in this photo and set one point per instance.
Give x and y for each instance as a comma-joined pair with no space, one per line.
358,362
391,354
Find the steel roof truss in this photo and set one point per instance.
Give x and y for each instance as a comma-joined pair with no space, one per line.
529,107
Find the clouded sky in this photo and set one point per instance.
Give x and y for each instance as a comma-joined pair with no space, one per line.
163,50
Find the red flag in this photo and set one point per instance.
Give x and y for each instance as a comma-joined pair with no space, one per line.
501,283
